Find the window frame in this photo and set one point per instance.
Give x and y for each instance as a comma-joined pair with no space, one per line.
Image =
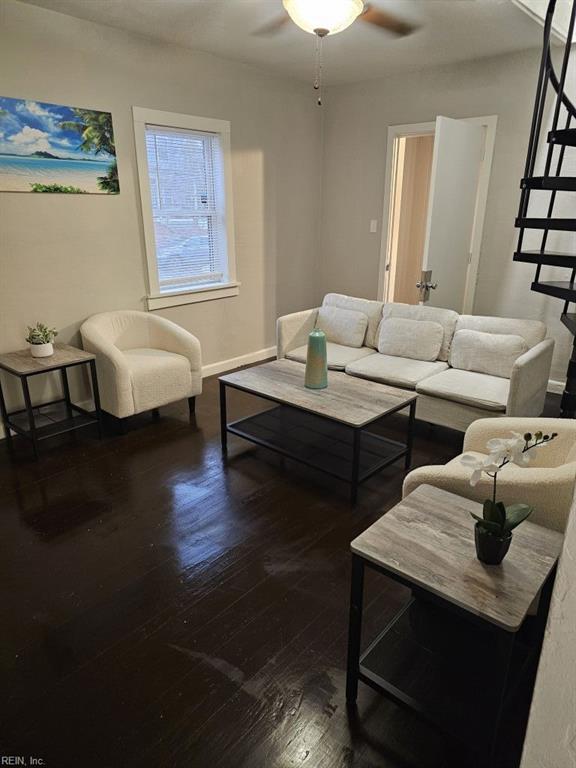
155,299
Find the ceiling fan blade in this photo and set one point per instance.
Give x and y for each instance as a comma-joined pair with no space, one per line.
387,21
273,26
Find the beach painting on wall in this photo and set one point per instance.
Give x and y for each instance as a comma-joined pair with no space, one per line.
52,148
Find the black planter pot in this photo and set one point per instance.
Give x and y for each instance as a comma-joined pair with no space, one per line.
490,549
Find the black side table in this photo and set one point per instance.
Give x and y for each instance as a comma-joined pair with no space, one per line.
24,366
462,681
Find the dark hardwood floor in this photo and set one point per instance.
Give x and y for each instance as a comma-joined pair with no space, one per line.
159,608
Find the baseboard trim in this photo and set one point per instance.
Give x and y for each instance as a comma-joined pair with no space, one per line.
557,387
237,362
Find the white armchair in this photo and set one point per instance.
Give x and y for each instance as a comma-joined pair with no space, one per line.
547,484
143,361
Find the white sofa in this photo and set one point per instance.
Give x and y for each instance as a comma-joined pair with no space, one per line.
143,361
463,367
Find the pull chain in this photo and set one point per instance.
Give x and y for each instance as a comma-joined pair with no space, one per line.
320,35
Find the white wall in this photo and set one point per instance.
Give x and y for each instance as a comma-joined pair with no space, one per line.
551,735
65,257
356,122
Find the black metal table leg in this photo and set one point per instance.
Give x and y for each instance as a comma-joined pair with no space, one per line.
544,600
357,434
66,391
4,414
505,650
410,437
96,396
30,413
223,422
355,629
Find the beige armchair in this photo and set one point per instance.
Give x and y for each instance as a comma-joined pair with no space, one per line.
143,361
547,483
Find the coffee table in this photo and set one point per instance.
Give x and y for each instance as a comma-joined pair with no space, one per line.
426,542
327,429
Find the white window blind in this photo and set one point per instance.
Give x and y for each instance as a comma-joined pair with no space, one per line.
188,207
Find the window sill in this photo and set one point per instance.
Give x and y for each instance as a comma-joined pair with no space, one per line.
193,296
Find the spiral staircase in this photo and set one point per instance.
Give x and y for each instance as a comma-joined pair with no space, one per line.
561,135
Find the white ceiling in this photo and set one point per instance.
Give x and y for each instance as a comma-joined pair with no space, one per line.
450,31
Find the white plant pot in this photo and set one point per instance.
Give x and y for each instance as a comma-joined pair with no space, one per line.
41,350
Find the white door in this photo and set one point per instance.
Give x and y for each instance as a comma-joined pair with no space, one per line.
458,151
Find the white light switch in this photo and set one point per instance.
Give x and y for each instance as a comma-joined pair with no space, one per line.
373,225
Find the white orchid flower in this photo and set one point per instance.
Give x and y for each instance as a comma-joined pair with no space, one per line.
508,449
479,465
501,452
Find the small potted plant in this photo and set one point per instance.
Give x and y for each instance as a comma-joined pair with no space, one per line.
493,531
41,339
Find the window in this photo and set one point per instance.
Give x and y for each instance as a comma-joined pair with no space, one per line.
185,185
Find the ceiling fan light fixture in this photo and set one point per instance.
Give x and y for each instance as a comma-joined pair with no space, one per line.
328,16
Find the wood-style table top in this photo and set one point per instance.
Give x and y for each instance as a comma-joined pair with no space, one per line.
347,399
428,539
22,363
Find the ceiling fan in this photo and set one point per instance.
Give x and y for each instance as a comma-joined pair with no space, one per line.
328,17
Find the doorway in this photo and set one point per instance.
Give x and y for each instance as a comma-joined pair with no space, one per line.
437,177
411,174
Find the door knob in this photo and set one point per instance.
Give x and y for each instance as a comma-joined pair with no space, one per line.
425,285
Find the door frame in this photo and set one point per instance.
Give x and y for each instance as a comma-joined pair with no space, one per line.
489,122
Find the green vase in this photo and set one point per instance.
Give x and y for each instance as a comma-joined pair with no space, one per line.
316,362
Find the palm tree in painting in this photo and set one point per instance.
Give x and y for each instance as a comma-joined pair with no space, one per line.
110,183
95,130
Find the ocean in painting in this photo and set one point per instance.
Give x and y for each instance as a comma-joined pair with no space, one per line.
52,148
17,174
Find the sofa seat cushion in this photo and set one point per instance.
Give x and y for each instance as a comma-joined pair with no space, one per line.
338,355
396,371
342,326
468,387
158,377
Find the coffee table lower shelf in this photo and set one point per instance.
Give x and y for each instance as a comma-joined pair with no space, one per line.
351,455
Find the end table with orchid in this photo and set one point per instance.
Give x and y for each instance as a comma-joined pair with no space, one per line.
493,531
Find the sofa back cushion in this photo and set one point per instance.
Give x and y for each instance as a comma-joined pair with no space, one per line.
342,326
372,310
415,339
532,331
493,353
447,318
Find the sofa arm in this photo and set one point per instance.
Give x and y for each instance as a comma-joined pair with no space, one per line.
114,380
292,330
529,380
171,337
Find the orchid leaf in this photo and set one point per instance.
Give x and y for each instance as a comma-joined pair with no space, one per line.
516,514
487,525
495,513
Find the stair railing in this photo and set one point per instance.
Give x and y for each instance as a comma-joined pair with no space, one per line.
552,169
